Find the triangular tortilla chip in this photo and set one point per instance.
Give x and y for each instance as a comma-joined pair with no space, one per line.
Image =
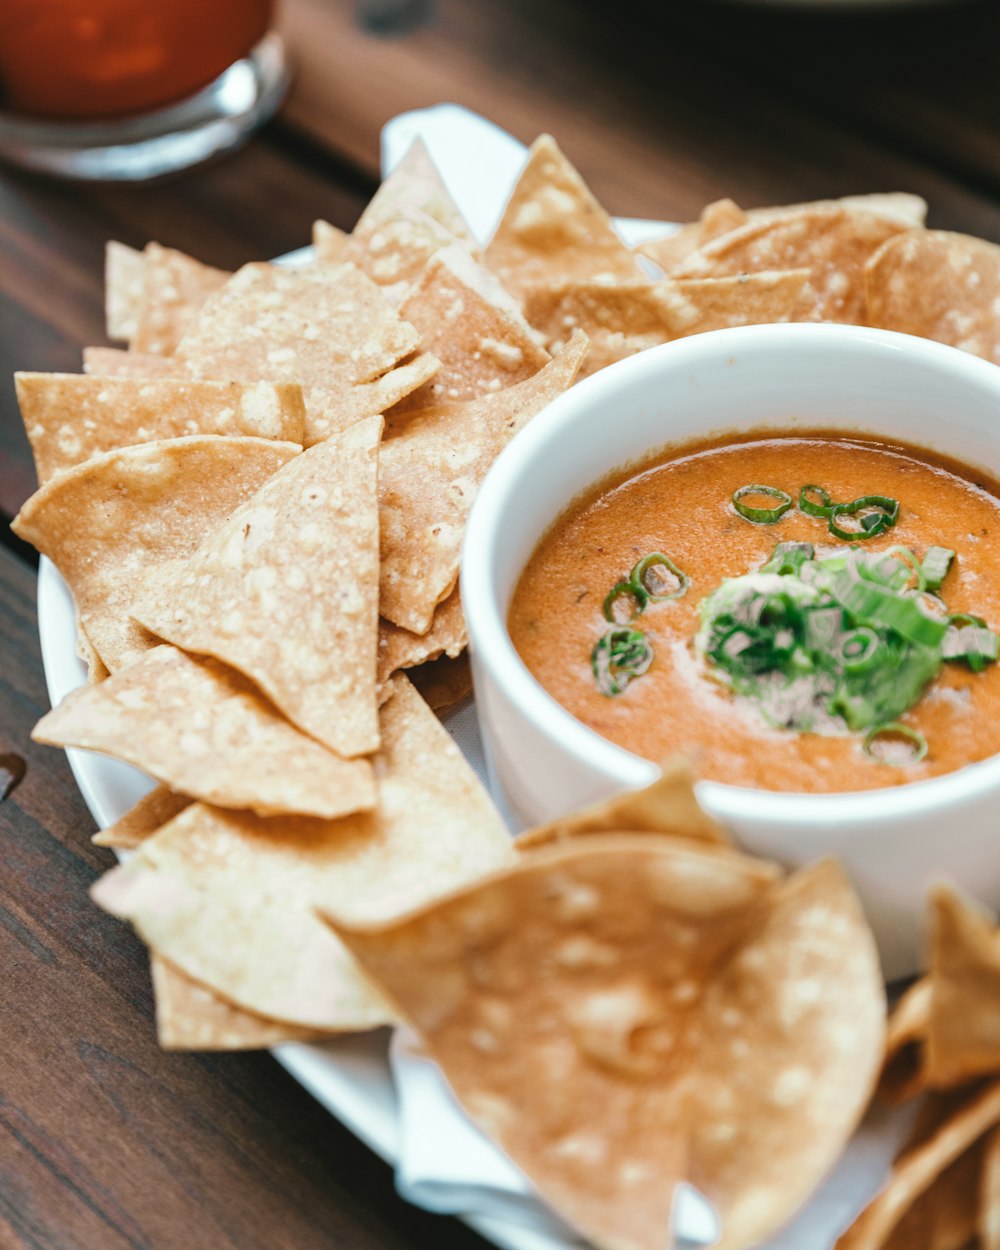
447,637
329,243
667,807
286,591
471,324
789,1046
175,287
228,897
553,229
717,218
96,668
332,412
429,475
917,1170
70,417
124,276
112,362
141,821
558,996
625,319
109,521
190,1016
939,286
327,327
833,242
904,1069
415,185
963,1037
443,683
199,727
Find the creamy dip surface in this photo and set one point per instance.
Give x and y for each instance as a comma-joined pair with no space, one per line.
681,505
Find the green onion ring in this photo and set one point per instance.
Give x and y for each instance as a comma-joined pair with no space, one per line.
656,559
905,556
886,517
619,656
937,562
762,516
806,505
900,730
966,618
638,594
859,649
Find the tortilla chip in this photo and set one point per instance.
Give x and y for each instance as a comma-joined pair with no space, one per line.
329,243
917,1169
790,1043
963,1037
623,320
174,289
139,822
124,275
988,1216
285,591
112,362
429,475
447,637
566,985
940,286
108,522
717,218
904,1070
554,230
898,206
197,726
327,327
228,897
190,1016
471,324
415,186
667,807
70,417
833,242
96,668
443,683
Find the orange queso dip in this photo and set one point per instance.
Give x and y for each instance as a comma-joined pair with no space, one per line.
808,613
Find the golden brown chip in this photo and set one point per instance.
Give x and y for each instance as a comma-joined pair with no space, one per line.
554,230
175,287
199,727
228,897
899,206
963,1038
833,242
285,591
190,1016
124,275
717,218
471,324
790,1042
112,362
415,186
429,475
940,286
108,522
904,1071
666,807
917,1170
625,319
447,637
327,327
149,814
96,668
443,683
70,417
329,243
566,985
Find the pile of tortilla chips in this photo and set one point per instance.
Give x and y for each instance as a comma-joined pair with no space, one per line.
258,505
944,1040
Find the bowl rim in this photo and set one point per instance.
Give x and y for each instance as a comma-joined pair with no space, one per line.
491,645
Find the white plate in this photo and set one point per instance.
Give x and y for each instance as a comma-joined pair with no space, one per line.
351,1077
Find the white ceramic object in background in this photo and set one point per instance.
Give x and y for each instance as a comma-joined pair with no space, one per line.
894,841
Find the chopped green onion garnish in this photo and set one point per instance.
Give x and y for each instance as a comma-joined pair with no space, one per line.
806,505
899,566
974,643
877,744
761,516
619,657
859,649
624,603
877,514
660,579
789,558
937,562
881,607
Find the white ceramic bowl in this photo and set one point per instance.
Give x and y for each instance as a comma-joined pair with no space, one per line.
893,842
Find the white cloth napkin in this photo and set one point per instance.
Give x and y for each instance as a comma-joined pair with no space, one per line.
446,1165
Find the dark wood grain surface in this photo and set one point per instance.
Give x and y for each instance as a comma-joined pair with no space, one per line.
106,1142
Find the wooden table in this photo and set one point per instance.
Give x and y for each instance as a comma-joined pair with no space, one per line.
108,1143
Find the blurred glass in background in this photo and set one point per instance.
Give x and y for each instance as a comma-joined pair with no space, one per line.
133,89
